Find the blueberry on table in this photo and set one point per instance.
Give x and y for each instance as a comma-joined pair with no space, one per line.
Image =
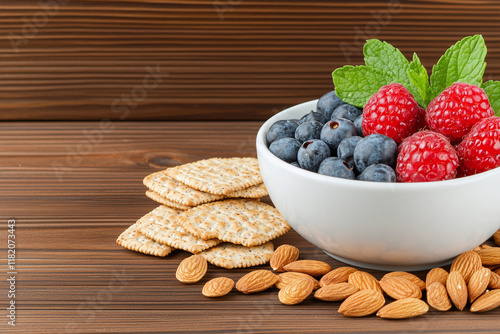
308,130
347,111
346,147
336,167
335,131
328,103
378,173
358,124
285,148
314,116
375,149
312,153
281,129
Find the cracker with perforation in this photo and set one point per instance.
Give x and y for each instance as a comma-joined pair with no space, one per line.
133,240
231,256
240,221
218,176
165,201
160,226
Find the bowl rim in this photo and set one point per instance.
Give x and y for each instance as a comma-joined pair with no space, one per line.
262,149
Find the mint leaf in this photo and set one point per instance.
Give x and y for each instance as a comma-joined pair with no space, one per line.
462,62
420,80
492,89
356,84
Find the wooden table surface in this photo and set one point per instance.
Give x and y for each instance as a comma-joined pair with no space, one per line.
72,189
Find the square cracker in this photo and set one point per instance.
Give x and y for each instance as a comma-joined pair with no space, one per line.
245,222
165,201
160,226
231,256
133,240
218,176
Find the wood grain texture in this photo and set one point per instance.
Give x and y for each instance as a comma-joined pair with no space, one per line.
221,59
73,278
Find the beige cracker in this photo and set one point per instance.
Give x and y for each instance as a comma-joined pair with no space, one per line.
219,176
133,240
240,221
163,200
160,226
231,256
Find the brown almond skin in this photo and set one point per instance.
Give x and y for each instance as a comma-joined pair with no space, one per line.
363,281
282,256
494,281
217,287
191,269
400,288
403,309
335,292
295,292
436,275
496,237
457,289
437,297
478,283
256,281
410,277
362,303
490,256
487,302
337,275
311,267
290,276
467,264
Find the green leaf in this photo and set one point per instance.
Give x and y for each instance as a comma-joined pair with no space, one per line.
462,62
356,84
492,89
420,80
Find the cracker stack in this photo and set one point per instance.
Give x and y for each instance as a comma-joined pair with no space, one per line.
211,208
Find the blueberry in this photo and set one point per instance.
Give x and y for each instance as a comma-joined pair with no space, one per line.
346,147
378,173
336,167
327,103
295,163
308,130
311,153
357,124
374,149
313,116
347,111
335,131
281,129
285,148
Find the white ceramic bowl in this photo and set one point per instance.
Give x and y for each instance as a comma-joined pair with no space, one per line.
384,226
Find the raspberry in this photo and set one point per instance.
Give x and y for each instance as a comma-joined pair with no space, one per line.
489,123
426,156
454,111
392,111
479,151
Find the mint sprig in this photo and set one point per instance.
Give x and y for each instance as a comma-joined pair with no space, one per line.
420,80
492,90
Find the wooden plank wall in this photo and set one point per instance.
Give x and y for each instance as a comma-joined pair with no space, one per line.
214,59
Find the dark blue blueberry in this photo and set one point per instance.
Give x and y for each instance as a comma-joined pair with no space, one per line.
357,124
314,116
378,173
347,111
335,131
281,129
375,149
295,163
308,130
311,153
285,148
328,103
337,167
346,147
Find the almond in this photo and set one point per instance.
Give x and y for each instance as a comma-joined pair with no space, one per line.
487,302
256,281
437,297
436,275
337,275
410,277
476,248
362,303
310,267
496,237
478,283
400,288
296,291
457,289
335,292
282,256
403,309
218,287
290,276
494,281
484,246
490,256
191,269
363,281
467,263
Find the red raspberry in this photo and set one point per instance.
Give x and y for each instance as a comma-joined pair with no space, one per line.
392,111
457,109
426,156
479,151
489,123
